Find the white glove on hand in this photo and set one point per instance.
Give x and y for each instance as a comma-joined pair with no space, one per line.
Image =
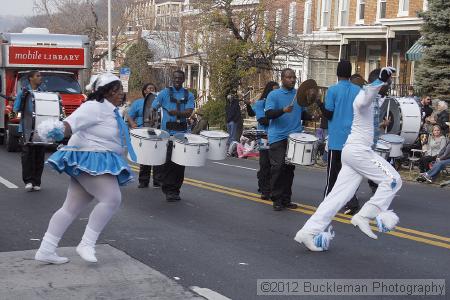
51,131
386,73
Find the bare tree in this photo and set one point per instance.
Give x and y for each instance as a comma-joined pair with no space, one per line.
88,17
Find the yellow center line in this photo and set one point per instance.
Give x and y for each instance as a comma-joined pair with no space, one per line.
309,210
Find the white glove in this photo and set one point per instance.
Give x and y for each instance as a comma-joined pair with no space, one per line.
51,131
386,73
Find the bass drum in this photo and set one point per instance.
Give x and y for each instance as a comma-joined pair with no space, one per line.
405,118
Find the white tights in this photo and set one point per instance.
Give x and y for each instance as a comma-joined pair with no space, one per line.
81,192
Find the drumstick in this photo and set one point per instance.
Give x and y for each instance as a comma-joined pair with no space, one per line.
387,114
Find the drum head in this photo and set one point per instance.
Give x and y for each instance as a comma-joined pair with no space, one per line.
214,134
382,146
303,137
392,138
190,139
149,133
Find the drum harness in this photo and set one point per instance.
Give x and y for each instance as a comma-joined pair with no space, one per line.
180,124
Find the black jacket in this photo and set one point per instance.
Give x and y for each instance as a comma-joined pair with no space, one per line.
441,120
233,111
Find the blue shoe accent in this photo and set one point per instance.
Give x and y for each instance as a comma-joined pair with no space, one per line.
323,239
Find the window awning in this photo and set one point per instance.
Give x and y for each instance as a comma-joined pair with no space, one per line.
415,52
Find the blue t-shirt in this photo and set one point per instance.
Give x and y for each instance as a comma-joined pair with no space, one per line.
281,127
258,108
163,101
339,100
136,111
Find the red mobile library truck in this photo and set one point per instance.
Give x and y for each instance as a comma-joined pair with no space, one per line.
59,57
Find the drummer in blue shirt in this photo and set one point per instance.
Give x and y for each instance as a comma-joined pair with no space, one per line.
263,125
33,156
177,105
136,119
285,117
338,109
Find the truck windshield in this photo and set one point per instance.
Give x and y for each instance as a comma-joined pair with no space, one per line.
55,82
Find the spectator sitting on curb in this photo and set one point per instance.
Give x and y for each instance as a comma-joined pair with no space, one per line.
442,161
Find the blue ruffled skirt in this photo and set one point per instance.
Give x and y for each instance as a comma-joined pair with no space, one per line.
74,163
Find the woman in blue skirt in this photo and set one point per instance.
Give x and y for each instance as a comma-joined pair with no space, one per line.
93,160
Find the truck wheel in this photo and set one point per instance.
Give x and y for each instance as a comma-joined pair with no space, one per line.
12,139
2,136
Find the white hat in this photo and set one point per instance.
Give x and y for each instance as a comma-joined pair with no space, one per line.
105,79
90,86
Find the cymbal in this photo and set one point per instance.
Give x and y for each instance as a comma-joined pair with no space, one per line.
302,92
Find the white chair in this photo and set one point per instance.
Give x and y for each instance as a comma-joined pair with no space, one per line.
414,159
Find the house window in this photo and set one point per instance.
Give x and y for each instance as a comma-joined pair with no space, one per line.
360,10
325,14
381,10
278,16
403,8
307,18
343,13
318,2
292,17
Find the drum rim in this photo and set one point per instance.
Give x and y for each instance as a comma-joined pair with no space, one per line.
393,142
226,136
175,140
297,140
148,138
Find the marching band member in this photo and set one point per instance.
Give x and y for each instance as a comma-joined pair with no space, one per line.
135,120
177,104
263,124
285,117
338,109
94,163
33,156
358,161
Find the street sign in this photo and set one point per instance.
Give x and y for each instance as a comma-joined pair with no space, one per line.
124,75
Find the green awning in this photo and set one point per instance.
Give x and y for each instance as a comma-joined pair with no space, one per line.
415,52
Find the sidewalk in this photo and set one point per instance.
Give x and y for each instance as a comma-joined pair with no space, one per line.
116,276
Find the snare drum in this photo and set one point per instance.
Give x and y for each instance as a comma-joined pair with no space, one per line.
189,150
396,143
217,144
39,107
300,150
383,149
150,146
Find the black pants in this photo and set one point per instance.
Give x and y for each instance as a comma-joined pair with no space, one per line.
333,167
171,174
264,172
281,174
424,163
33,158
145,172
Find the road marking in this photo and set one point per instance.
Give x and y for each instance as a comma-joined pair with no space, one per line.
208,294
309,210
8,184
236,166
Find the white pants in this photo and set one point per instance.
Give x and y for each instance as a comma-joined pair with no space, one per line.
358,162
81,192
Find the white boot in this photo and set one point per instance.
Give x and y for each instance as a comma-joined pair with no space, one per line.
46,252
307,239
86,248
363,217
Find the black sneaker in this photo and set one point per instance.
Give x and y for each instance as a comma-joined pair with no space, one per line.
172,198
156,185
351,211
142,185
277,207
290,205
265,197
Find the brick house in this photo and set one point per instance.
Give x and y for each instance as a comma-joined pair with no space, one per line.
369,33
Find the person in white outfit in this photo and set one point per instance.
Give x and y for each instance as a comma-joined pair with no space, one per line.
93,160
358,161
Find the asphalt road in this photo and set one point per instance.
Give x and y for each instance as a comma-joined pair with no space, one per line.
222,237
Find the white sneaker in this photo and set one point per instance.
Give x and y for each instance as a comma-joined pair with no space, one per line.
363,224
307,240
28,187
51,258
87,253
36,188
